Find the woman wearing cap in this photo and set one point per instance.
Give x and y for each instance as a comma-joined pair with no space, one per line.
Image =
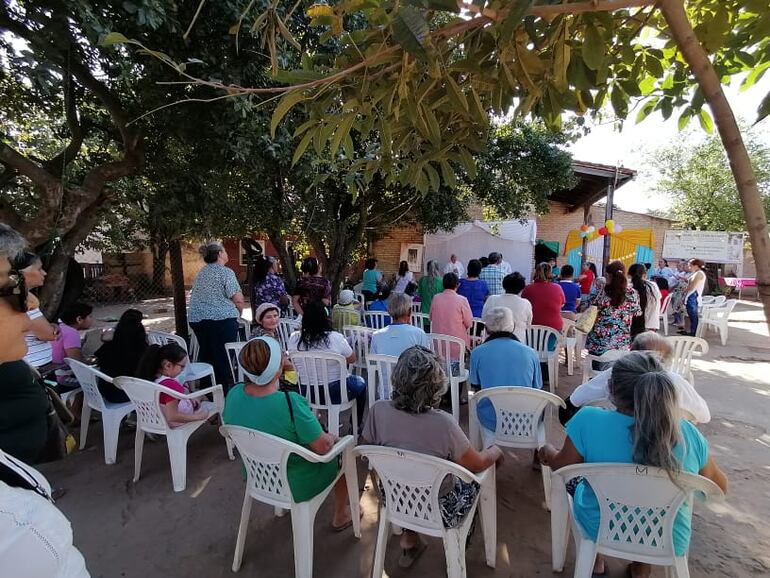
258,404
346,311
266,317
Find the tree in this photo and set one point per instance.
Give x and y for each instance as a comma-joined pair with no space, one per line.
423,81
698,178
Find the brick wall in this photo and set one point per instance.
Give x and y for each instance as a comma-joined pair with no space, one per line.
138,264
386,248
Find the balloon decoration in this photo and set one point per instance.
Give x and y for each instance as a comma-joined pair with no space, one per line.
604,231
584,228
590,232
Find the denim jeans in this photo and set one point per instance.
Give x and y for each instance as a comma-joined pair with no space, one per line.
356,387
692,312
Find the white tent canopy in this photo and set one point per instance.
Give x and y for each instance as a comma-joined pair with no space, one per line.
514,239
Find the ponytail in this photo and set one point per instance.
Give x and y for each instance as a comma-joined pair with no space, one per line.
149,364
637,271
640,385
616,283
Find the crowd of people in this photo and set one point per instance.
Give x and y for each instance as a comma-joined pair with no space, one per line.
639,395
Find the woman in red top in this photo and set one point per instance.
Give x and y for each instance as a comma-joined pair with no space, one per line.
587,278
662,284
547,298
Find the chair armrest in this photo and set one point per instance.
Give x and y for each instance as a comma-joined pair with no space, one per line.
339,447
214,390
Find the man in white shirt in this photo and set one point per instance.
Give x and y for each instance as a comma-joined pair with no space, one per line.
505,266
400,335
521,309
455,266
596,391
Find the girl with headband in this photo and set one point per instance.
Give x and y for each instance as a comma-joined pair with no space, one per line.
257,403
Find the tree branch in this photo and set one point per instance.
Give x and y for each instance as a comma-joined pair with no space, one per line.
68,154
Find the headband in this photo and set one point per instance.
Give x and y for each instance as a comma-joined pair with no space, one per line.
273,364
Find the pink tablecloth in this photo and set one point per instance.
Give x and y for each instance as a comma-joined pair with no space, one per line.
738,282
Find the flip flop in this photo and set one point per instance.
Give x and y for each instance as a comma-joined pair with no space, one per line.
410,556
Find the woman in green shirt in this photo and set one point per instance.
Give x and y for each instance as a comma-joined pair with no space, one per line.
430,285
258,404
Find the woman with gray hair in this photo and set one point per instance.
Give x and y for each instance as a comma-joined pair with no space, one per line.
410,421
596,391
216,303
644,429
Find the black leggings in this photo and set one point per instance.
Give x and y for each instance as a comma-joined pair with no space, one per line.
212,336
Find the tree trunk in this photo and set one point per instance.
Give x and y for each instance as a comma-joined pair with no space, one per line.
287,263
177,284
159,252
740,163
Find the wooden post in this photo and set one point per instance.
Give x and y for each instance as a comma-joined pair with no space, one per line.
584,249
177,286
607,216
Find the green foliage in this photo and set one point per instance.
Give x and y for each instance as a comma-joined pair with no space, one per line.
696,174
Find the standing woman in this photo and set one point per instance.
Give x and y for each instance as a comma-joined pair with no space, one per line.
649,301
42,332
430,285
547,298
586,279
693,293
311,287
371,279
404,278
617,305
267,287
216,304
475,290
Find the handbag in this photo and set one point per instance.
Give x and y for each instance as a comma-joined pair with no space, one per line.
586,321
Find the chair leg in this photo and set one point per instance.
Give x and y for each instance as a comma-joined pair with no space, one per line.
546,472
111,430
585,558
351,481
85,418
243,527
138,447
454,385
302,528
454,547
488,514
334,420
354,417
177,453
681,569
383,533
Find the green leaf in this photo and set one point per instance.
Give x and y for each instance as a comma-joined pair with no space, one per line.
343,130
561,58
410,30
457,95
113,38
593,48
289,100
435,180
516,11
434,130
442,5
645,111
653,66
706,122
752,77
764,108
450,179
619,100
684,118
301,147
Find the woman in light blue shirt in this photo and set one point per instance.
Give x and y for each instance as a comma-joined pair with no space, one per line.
216,303
371,279
645,429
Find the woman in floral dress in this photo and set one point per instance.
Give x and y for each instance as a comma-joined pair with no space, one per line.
617,305
268,287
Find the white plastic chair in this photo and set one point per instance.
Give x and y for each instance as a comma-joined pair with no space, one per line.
412,482
664,307
265,458
195,370
717,318
195,348
707,299
379,369
638,506
569,343
684,347
233,350
146,398
538,338
451,349
416,306
244,329
477,333
359,339
313,373
519,422
112,413
375,319
285,328
608,356
421,320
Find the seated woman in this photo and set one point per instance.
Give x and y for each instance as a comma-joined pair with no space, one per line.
410,421
121,355
646,404
266,317
258,404
317,335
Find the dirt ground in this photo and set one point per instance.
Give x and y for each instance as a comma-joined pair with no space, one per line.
145,530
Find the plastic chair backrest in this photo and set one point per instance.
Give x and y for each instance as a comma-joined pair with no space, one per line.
88,378
609,356
416,306
379,369
264,457
313,374
420,320
412,483
664,306
538,336
146,398
375,319
638,506
233,350
285,328
449,349
360,298
243,329
707,299
719,300
359,339
195,347
163,338
477,332
519,413
726,309
684,346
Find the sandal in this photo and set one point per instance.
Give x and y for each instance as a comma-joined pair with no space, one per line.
410,556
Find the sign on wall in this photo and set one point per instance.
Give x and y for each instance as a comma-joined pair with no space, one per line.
711,246
412,254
